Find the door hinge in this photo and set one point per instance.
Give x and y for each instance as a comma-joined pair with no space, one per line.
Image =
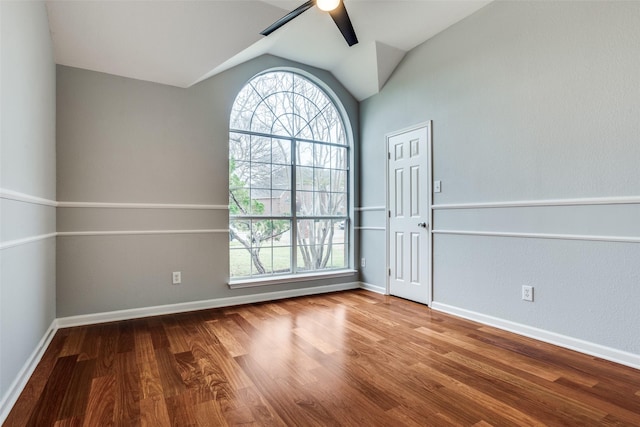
389,213
389,156
389,272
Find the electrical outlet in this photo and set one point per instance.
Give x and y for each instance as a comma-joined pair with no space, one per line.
527,293
177,277
363,262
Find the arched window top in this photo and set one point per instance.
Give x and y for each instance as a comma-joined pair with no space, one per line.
287,104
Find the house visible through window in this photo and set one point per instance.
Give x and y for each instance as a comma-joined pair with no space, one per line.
288,179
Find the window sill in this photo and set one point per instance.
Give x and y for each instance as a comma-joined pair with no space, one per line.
289,278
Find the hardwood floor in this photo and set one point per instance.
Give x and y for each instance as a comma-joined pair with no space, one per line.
352,358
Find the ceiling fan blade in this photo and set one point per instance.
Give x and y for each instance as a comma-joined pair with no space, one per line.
341,18
288,17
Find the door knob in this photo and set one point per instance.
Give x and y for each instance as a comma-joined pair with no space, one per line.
422,224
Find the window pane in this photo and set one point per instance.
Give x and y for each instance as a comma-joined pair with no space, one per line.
281,177
261,202
314,111
315,243
320,128
260,149
281,232
322,156
339,158
239,261
239,173
240,231
307,111
281,203
336,129
261,175
304,203
243,108
322,203
239,146
281,151
338,259
273,82
273,113
264,234
321,179
310,91
338,204
281,259
338,181
304,257
304,154
264,120
239,201
265,257
339,231
304,178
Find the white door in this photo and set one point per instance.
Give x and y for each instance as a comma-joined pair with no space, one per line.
408,180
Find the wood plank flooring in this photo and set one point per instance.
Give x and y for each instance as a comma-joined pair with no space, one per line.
345,359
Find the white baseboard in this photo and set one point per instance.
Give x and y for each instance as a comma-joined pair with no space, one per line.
112,316
19,383
373,288
597,350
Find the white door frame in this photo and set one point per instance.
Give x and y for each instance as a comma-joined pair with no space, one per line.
428,126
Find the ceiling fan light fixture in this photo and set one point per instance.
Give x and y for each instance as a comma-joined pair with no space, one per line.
335,8
327,5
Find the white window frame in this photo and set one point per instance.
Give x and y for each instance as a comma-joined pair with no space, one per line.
294,217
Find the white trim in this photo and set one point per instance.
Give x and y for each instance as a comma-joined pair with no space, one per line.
138,232
430,223
110,205
597,350
369,208
625,200
373,288
135,313
289,278
370,228
13,392
27,198
592,238
18,242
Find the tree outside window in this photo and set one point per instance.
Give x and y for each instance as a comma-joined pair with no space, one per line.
288,179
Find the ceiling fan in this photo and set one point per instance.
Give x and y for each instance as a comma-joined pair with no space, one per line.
335,8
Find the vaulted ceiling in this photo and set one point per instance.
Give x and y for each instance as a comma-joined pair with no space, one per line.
181,42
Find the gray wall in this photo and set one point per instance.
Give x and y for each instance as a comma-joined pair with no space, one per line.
126,141
529,101
27,165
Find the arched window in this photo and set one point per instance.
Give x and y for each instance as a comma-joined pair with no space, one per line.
288,179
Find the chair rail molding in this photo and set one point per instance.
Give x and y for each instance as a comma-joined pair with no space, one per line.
117,205
590,238
587,201
369,208
27,198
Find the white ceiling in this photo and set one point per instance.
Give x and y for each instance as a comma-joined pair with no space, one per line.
181,42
